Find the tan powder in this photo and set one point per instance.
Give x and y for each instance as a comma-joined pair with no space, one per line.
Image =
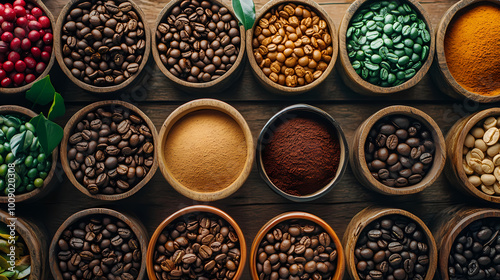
206,151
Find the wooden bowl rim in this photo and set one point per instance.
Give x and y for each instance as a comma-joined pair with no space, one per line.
29,235
284,90
197,105
68,129
346,63
50,176
458,157
17,90
455,230
206,85
134,224
91,88
193,209
439,154
441,56
359,222
287,114
339,273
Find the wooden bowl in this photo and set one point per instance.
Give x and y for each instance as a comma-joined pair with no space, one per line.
186,211
288,114
91,88
353,80
35,238
371,214
69,128
16,90
263,79
440,71
49,183
135,225
448,226
218,85
454,149
178,114
358,158
339,273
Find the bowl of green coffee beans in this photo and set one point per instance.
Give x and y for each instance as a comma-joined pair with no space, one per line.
385,46
26,171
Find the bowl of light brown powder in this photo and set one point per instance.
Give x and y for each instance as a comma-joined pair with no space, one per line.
206,150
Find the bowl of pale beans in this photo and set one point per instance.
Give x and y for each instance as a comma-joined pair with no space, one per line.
292,46
473,155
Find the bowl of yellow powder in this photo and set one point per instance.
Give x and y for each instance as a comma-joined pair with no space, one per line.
467,51
206,150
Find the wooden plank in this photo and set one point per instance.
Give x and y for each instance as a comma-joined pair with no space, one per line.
247,88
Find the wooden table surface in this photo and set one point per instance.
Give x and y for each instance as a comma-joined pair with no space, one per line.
254,204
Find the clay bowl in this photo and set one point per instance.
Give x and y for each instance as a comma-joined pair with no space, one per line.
441,73
339,273
262,78
187,211
35,238
371,214
68,131
218,85
358,158
302,110
448,226
24,88
353,80
58,45
49,183
455,147
174,118
133,223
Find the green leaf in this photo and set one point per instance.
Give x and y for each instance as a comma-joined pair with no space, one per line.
41,92
245,12
49,133
57,109
21,142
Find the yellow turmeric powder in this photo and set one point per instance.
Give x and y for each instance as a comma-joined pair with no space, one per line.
472,48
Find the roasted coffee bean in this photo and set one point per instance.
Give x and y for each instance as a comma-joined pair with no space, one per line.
384,250
95,51
181,241
104,147
393,158
203,41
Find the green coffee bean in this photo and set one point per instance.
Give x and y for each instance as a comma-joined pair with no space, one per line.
417,48
365,73
371,66
385,65
383,51
372,35
376,44
410,73
392,58
384,74
378,18
417,65
399,46
415,58
426,36
389,19
396,39
356,64
370,25
397,26
408,51
400,53
351,30
376,59
425,52
388,43
403,60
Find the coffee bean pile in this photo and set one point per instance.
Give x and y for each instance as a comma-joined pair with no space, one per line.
392,248
25,43
399,151
197,246
103,42
110,150
99,247
476,252
481,161
292,45
297,249
199,41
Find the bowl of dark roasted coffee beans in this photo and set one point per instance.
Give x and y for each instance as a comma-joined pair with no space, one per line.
99,243
297,245
197,242
199,45
108,150
390,244
102,45
398,150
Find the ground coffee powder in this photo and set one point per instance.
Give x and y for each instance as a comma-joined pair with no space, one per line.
302,156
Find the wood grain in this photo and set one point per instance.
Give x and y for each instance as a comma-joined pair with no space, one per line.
254,203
